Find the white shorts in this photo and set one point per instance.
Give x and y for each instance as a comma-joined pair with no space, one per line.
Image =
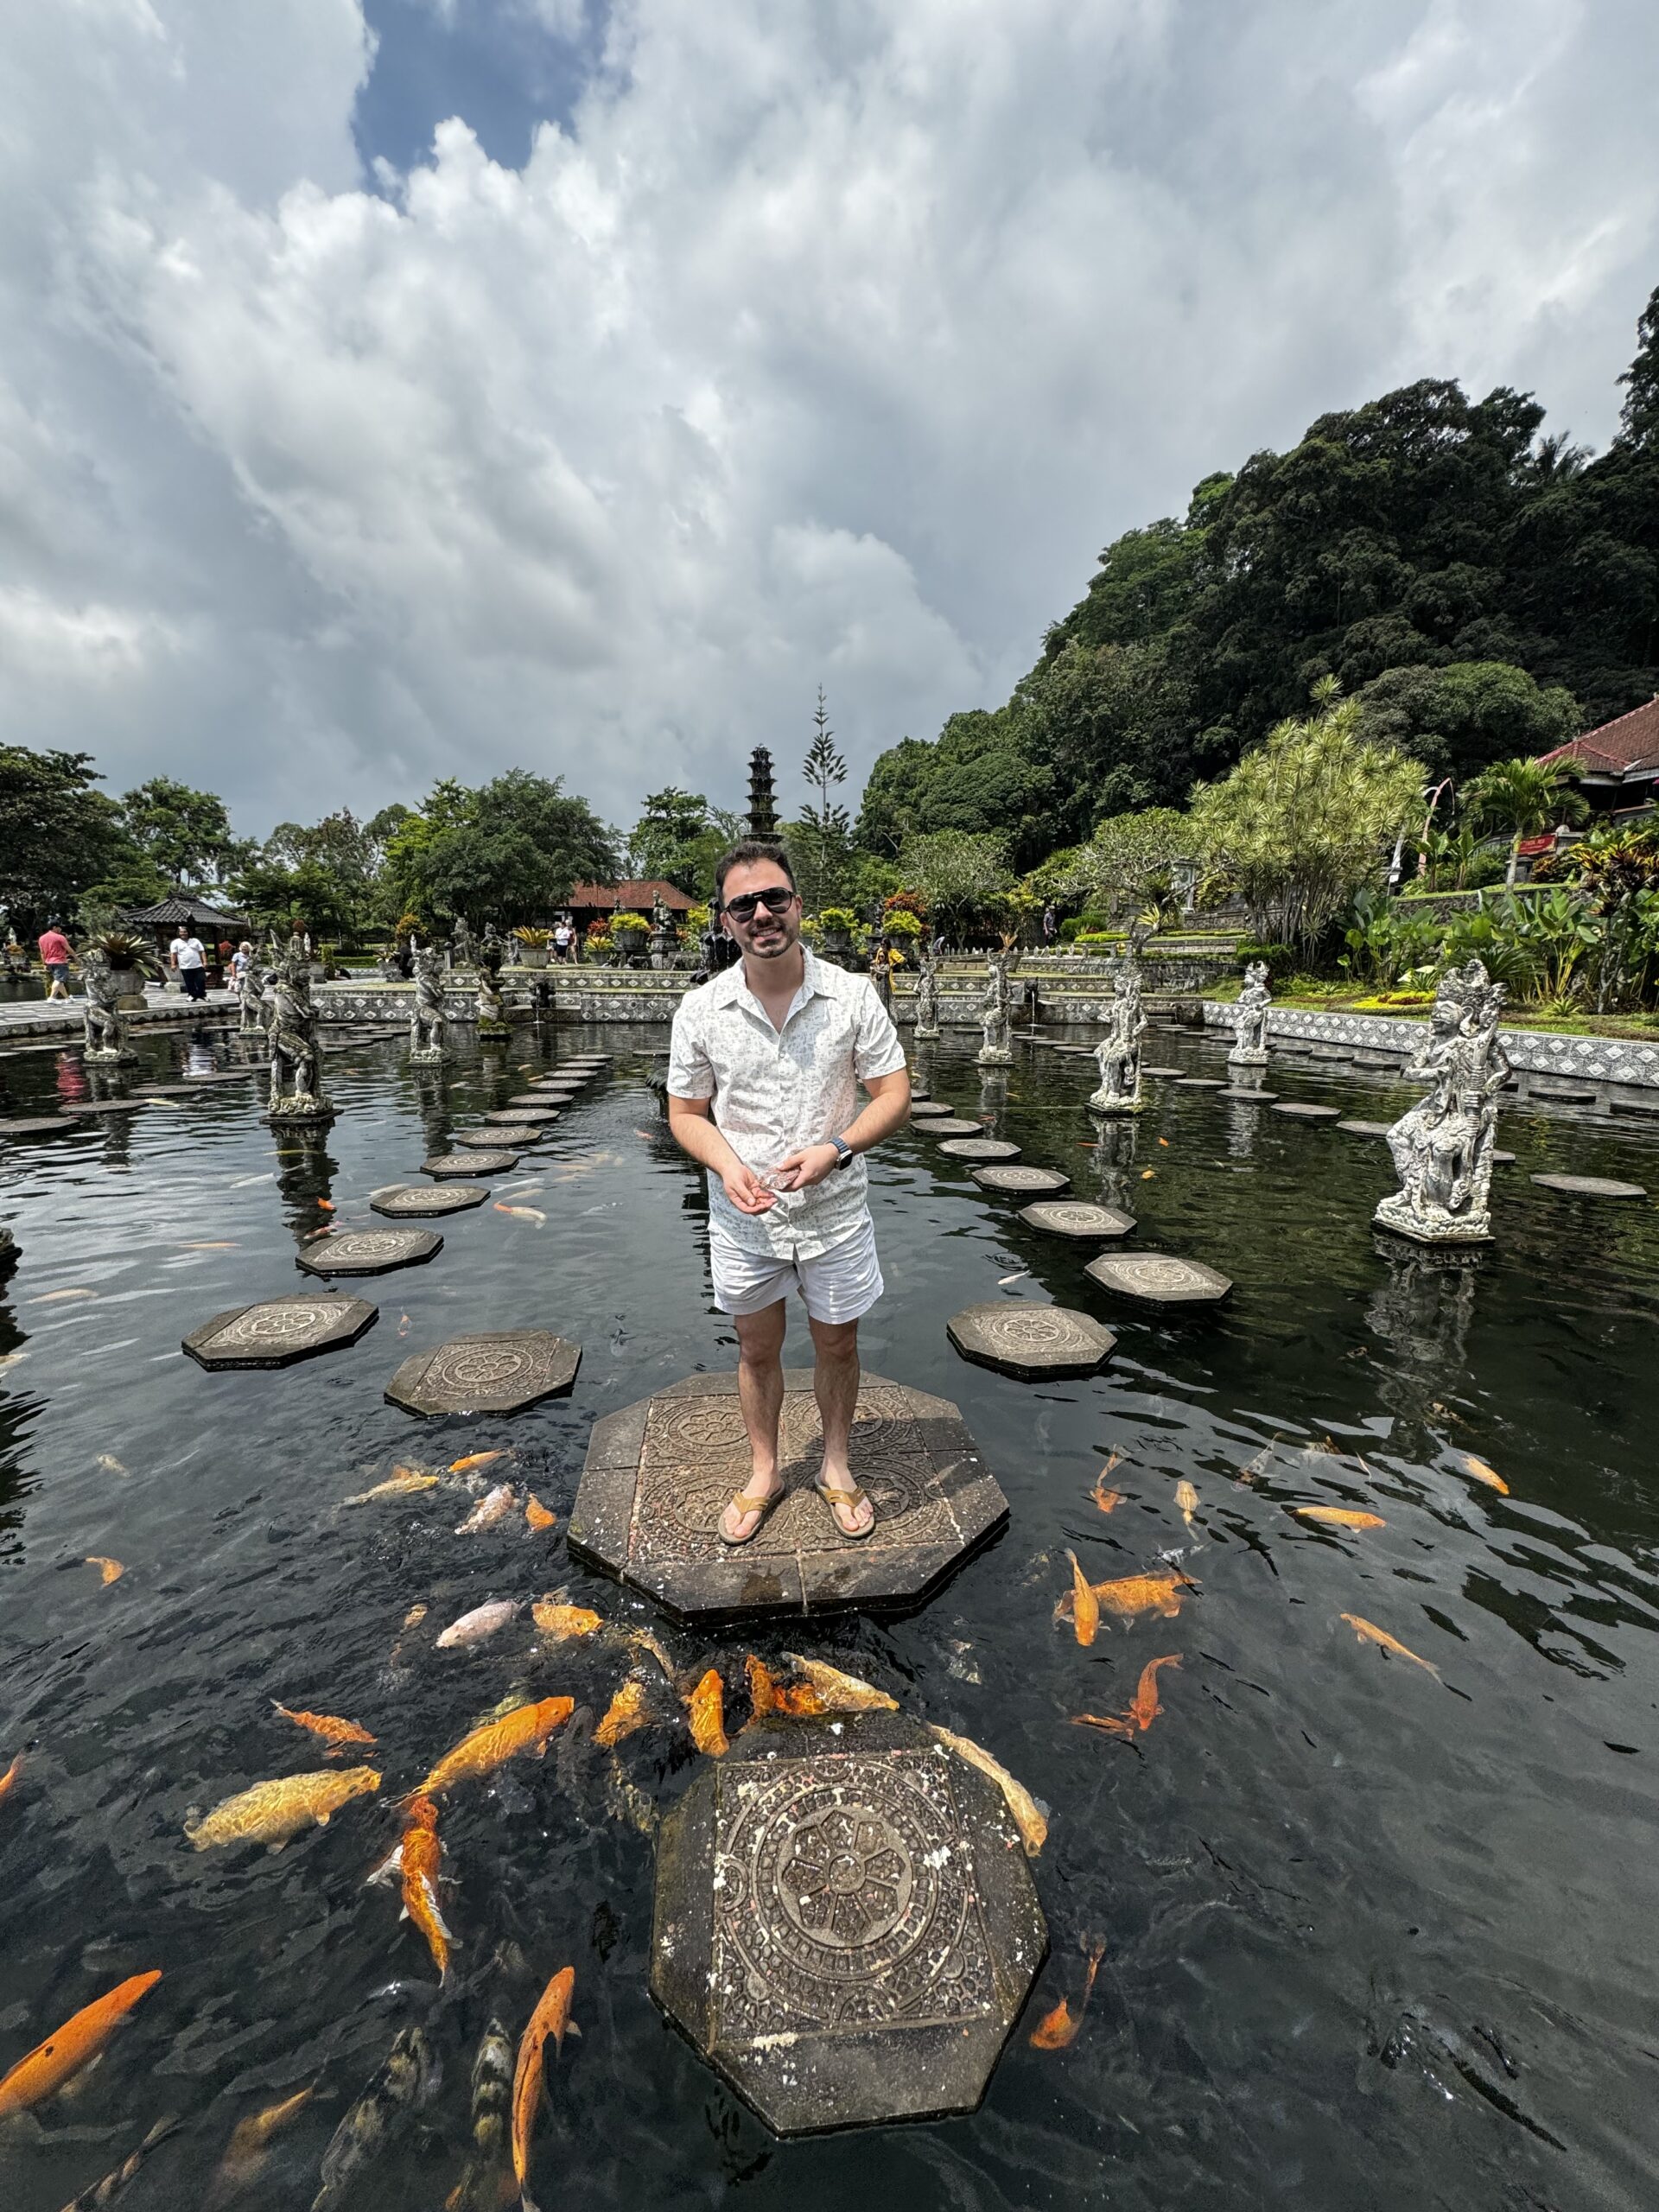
839,1285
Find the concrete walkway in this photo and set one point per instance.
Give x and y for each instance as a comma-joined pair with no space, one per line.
67,1017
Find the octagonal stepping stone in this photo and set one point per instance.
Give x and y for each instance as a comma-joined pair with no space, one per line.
280,1331
501,1372
106,1106
399,1201
1158,1279
1590,1186
1249,1097
1563,1098
1177,1072
469,1163
950,1125
516,1135
1366,1128
1033,1342
1022,1178
369,1251
659,1474
928,1108
533,1105
981,1148
1078,1218
1303,1112
38,1125
845,1927
1200,1083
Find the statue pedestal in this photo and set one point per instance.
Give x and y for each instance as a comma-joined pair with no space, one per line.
427,1056
1434,1225
926,1036
299,1111
1238,1059
993,1056
1117,1101
109,1057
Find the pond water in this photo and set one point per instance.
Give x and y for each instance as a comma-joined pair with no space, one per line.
1373,1935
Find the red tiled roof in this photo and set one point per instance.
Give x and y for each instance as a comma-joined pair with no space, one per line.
636,898
1629,745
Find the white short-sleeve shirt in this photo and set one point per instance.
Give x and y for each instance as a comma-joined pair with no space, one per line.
775,1091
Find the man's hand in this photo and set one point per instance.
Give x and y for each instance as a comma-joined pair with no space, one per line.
746,1190
804,1168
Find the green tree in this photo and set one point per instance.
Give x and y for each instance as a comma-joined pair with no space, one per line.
962,876
1459,718
1522,799
1306,818
822,843
678,838
59,835
1131,857
281,898
185,832
507,852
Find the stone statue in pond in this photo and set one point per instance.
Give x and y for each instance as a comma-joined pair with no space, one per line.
1250,1019
426,1016
492,1007
460,944
106,1043
927,997
1442,1147
296,1091
1118,1053
251,987
996,1013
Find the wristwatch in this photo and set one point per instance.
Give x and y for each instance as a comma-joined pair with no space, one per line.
844,1151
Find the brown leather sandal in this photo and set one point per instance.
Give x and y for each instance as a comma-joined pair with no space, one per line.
832,1499
763,1506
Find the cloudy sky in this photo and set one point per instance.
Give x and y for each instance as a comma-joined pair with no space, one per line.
399,388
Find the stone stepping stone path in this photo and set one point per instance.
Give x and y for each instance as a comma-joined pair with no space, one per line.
106,1106
1251,1098
823,1873
981,1148
280,1331
950,1125
369,1251
1306,1113
534,1118
38,1125
1551,1097
535,1106
520,1135
501,1372
1078,1218
399,1200
1022,1178
1034,1343
469,1163
1177,1072
1366,1128
928,1106
659,1474
1158,1279
1590,1186
1199,1083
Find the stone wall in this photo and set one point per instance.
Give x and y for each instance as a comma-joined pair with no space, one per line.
1531,1051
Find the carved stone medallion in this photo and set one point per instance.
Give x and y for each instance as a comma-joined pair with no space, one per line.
1033,1342
406,1200
469,1162
980,1148
1303,1112
658,1474
518,1133
499,1373
281,1330
1158,1279
1590,1186
1022,1178
949,1125
845,1926
1079,1217
369,1251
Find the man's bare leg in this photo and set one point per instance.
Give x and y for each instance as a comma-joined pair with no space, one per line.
760,1393
835,1385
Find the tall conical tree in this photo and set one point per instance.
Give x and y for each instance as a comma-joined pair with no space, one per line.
826,828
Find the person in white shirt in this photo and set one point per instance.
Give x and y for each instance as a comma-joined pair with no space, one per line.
186,955
761,1091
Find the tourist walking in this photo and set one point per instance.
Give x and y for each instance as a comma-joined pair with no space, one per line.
1050,923
564,939
762,1080
185,954
55,956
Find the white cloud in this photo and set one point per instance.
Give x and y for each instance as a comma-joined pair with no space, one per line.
828,345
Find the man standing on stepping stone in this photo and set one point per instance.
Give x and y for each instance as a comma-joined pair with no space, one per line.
762,1092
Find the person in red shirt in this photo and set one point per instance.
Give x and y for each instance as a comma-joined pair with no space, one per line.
55,956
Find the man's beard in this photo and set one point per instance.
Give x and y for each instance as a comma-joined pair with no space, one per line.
787,936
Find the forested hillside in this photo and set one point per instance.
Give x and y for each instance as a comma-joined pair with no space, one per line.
1486,589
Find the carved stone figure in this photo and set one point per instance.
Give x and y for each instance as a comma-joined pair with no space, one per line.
105,1030
927,997
1250,1019
997,1014
1442,1147
296,1091
249,1004
664,949
1118,1053
426,1016
462,954
492,1009
882,972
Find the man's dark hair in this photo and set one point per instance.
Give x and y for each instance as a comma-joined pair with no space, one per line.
745,851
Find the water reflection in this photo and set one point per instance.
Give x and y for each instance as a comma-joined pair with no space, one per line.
1422,1310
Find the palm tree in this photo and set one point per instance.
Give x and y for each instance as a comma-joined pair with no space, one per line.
1525,796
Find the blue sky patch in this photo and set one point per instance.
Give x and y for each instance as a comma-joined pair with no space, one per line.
492,62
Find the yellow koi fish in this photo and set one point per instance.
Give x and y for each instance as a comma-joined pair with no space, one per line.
1338,1517
1028,1817
273,1812
403,1482
842,1692
110,1569
565,1623
625,1713
1369,1632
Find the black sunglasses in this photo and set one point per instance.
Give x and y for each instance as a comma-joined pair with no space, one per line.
777,901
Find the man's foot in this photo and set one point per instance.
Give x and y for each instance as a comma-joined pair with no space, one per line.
748,1508
855,1515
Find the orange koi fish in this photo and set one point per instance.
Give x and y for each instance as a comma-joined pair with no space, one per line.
536,1515
1143,1708
525,1729
1104,1498
1338,1517
1483,1473
1085,1607
110,1569
11,1775
1057,2031
550,2018
1186,1497
326,1206
1369,1632
826,1689
246,2153
422,1855
1129,1594
77,2043
1147,1175
625,1713
332,1730
706,1706
475,1460
565,1623
794,1700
